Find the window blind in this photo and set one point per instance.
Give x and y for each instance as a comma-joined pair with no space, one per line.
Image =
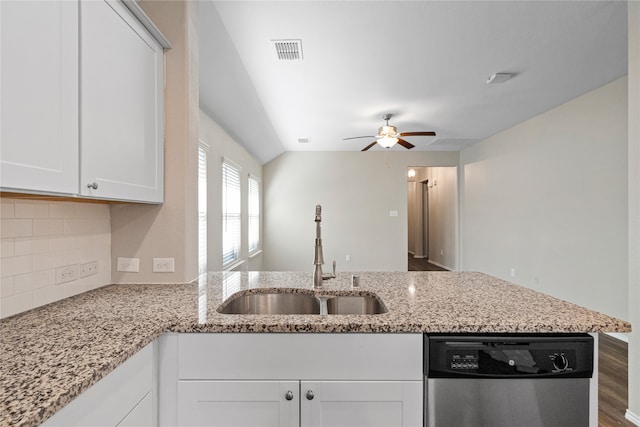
230,212
254,214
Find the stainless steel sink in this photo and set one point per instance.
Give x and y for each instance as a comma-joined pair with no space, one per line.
271,302
355,304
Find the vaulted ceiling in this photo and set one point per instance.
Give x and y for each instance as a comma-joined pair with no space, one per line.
426,62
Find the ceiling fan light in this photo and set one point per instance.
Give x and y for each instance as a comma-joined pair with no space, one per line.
387,142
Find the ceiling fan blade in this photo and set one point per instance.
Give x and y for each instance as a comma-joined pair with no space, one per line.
418,134
369,146
356,137
405,144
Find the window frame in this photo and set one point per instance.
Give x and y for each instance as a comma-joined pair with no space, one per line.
231,213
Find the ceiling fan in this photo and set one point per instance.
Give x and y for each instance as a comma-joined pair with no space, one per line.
388,136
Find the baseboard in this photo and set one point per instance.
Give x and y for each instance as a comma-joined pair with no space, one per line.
632,417
619,336
440,265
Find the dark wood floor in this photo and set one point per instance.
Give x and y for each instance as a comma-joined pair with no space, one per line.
612,382
422,264
612,364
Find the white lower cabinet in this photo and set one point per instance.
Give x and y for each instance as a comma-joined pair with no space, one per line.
361,403
299,403
293,380
125,397
239,403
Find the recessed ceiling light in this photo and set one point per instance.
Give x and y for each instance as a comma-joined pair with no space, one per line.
498,78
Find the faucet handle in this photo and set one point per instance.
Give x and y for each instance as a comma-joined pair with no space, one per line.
330,275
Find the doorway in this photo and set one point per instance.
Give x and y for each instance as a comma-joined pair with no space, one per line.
432,206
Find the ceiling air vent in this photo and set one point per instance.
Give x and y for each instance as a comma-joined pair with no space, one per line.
288,50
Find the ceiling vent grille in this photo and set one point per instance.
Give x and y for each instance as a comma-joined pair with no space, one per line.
288,50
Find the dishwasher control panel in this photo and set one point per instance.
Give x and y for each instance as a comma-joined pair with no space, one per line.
504,356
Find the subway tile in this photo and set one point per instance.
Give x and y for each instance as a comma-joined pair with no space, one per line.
7,287
6,248
16,304
48,295
63,243
63,210
48,227
31,209
7,208
28,282
86,226
92,210
48,260
31,245
16,228
13,266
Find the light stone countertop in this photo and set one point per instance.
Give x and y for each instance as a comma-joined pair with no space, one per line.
51,354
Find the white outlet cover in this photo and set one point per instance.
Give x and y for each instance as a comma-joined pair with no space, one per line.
164,265
65,274
129,265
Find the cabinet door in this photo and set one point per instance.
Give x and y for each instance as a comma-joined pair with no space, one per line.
361,403
121,106
39,102
238,403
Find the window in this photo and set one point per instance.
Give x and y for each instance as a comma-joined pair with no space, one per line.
203,150
254,214
230,212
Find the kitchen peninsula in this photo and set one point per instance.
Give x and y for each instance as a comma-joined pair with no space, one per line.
52,354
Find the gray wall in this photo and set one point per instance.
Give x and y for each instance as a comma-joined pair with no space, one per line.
548,198
222,145
357,191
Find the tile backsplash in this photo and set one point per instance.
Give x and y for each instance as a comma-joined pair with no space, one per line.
51,250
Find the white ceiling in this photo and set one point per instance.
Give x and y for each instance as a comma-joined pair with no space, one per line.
427,62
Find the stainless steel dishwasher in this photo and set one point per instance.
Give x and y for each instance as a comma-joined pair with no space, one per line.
507,380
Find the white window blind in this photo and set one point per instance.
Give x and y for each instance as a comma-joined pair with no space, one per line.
230,212
254,214
202,207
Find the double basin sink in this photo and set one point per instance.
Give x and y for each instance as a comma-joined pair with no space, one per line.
280,302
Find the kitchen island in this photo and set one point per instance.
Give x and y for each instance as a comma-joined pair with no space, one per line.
50,355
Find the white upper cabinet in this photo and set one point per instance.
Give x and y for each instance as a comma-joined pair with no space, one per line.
82,101
39,96
121,105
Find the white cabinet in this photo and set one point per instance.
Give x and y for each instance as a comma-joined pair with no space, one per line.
304,403
39,102
361,403
82,101
335,380
123,398
121,105
238,403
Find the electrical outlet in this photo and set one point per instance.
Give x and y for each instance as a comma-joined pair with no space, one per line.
513,272
89,269
347,258
65,274
130,265
164,265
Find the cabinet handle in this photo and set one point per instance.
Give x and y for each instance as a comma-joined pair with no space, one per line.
93,185
309,395
289,395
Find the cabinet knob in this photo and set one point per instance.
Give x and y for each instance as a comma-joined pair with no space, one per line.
309,395
93,185
289,395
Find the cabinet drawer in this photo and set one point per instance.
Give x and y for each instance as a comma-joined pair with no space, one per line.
300,356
